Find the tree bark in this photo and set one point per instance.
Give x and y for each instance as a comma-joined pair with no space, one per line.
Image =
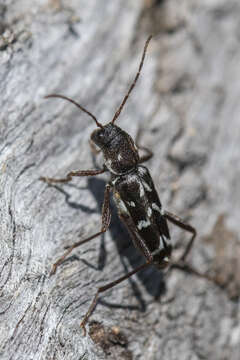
186,104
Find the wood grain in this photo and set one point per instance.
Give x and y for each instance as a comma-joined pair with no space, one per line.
187,103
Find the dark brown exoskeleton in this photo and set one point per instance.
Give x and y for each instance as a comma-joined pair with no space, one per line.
135,196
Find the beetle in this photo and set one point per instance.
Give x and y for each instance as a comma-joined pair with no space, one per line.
135,196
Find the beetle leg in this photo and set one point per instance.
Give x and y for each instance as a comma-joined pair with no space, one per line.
149,153
106,218
181,263
71,174
106,287
180,223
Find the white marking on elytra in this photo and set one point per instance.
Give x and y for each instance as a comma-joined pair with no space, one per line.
146,186
134,179
168,241
135,147
161,246
141,190
119,157
141,170
143,224
108,164
120,204
115,180
131,203
157,208
122,207
149,211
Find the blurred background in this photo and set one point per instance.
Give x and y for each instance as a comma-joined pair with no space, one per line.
186,105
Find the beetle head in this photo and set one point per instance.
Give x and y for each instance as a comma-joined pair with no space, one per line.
104,136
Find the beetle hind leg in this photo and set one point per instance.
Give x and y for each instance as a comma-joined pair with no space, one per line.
107,287
181,264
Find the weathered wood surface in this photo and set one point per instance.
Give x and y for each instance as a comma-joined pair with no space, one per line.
187,102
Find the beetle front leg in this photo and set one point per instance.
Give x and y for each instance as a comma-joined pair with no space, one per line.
149,153
71,174
106,218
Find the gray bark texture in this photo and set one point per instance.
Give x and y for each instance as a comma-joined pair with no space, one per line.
187,105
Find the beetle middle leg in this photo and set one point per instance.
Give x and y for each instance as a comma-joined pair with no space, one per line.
180,223
106,218
181,263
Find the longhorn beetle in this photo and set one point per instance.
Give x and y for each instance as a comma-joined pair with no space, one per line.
135,196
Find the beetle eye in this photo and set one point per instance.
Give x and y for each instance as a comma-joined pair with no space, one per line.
98,137
101,134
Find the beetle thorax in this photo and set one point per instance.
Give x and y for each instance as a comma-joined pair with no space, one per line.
119,151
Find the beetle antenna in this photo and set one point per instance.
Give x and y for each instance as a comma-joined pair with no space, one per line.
134,81
75,103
